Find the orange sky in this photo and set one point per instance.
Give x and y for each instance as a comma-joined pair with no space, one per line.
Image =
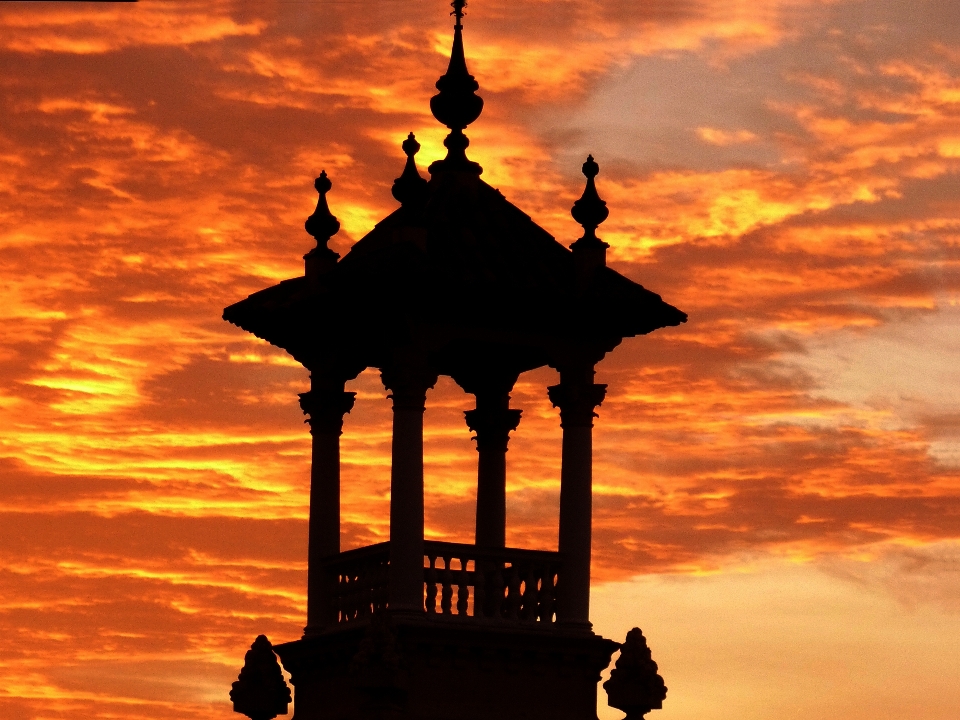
777,497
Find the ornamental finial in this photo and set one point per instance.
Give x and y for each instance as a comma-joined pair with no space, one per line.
261,692
590,210
635,686
410,186
322,225
590,251
457,104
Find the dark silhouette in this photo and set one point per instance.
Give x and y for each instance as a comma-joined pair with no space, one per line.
410,188
322,226
460,282
377,673
634,685
260,692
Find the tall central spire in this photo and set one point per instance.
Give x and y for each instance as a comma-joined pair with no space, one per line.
457,104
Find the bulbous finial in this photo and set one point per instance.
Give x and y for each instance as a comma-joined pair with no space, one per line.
409,188
590,169
590,210
457,104
322,225
589,251
261,692
410,146
635,686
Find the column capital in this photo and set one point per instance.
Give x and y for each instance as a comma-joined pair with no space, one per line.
408,385
577,401
493,426
325,409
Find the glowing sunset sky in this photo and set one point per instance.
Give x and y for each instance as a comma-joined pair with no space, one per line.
777,482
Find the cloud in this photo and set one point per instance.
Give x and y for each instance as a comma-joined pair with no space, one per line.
784,172
65,30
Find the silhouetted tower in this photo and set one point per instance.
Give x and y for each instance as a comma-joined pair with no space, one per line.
457,281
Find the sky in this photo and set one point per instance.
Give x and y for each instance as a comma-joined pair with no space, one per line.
777,482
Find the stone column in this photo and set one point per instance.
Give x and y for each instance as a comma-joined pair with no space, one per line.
325,406
576,396
408,390
492,421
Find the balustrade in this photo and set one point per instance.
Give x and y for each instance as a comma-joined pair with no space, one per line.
460,581
362,581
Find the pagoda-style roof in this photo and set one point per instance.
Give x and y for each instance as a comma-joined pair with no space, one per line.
467,275
457,275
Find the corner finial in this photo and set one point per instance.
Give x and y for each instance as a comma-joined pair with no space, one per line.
410,186
322,225
457,104
260,691
635,686
590,210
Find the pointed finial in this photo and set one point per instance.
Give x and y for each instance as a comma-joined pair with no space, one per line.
457,104
322,225
590,211
410,186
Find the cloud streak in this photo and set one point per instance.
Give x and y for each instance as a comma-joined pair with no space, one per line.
785,172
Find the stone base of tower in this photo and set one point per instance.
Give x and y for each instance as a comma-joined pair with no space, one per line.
437,669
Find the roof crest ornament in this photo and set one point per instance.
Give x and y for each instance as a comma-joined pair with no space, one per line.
410,186
322,225
590,211
457,104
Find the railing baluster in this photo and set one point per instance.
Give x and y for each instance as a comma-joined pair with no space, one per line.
383,586
543,569
463,589
496,607
447,592
479,589
522,587
432,585
348,586
548,595
365,595
347,594
360,592
513,594
355,579
531,582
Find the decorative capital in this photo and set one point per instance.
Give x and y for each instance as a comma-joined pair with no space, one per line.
322,226
634,685
325,409
410,187
492,426
260,692
590,211
408,385
576,402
